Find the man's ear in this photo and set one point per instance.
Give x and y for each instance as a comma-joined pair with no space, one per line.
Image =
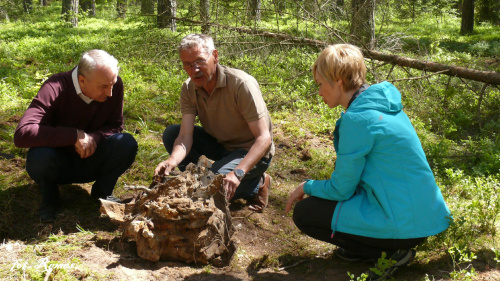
216,55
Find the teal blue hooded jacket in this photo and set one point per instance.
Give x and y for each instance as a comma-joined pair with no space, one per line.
382,180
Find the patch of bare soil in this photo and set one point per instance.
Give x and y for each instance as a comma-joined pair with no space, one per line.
269,245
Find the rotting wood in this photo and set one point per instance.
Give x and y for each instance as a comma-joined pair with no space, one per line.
182,218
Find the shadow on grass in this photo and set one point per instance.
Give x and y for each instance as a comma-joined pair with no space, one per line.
19,218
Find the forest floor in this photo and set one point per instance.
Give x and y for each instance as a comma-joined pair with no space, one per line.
89,247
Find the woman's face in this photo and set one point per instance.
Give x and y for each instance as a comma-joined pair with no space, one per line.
331,94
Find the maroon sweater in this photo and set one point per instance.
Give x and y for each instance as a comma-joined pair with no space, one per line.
55,114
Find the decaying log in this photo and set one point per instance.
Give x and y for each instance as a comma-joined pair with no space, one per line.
182,218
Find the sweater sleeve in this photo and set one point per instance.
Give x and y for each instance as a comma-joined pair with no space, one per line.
354,144
35,127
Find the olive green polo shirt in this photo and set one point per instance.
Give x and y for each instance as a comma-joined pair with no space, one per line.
225,114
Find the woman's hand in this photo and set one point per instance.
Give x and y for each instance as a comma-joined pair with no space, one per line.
296,195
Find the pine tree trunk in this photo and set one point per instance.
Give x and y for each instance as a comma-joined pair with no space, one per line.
467,26
121,8
147,7
205,16
28,6
70,11
167,10
363,23
255,6
88,6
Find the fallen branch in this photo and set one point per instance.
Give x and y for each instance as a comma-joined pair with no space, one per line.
490,77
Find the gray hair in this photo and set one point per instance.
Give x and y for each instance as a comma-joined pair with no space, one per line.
205,42
92,59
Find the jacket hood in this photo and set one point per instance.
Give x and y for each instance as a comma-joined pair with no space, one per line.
383,97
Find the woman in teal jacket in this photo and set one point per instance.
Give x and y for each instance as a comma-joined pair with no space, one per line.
382,195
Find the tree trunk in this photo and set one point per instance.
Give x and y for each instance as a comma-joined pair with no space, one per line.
255,10
205,16
88,6
121,8
167,10
147,7
467,26
70,11
27,5
44,3
363,23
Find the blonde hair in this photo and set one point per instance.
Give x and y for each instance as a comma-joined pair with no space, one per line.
341,62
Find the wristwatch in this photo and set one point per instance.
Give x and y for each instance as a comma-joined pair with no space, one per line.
239,174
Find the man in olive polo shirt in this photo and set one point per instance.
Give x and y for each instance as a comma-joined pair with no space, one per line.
236,129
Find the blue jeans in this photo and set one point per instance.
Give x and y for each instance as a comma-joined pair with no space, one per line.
49,166
225,161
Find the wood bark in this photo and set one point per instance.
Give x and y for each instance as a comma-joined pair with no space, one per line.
467,26
69,11
205,16
363,23
27,5
121,8
167,10
255,7
88,6
147,7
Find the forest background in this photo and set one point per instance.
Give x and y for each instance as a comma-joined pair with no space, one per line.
443,55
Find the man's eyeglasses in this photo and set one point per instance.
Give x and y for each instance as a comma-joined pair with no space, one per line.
196,63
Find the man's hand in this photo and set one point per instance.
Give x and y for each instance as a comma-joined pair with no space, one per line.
231,182
85,145
296,195
165,167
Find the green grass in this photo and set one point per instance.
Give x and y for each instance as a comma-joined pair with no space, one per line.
464,157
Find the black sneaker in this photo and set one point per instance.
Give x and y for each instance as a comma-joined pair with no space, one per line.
398,259
350,256
48,213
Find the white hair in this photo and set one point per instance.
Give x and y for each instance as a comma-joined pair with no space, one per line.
92,59
205,42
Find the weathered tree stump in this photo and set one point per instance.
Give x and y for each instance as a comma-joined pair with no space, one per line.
182,217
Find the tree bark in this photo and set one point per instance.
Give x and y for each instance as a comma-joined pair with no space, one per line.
147,7
70,11
88,6
467,26
28,6
363,23
167,10
121,8
255,6
205,16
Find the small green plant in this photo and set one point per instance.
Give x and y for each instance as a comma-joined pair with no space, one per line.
462,266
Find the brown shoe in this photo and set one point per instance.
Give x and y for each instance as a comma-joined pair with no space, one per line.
261,199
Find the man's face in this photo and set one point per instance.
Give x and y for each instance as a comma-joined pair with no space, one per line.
200,65
98,84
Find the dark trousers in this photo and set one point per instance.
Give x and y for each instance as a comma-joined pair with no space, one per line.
49,166
224,160
313,216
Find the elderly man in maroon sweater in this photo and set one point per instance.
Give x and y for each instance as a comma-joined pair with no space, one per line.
73,129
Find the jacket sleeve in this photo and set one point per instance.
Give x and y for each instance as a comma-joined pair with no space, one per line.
114,124
354,145
35,127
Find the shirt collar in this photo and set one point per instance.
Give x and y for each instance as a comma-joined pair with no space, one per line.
79,92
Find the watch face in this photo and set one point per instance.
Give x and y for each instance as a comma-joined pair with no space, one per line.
239,173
